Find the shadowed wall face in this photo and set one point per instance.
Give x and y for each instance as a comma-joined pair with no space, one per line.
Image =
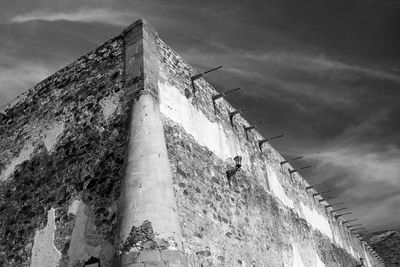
62,154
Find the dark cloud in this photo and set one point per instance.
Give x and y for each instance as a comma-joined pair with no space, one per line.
325,72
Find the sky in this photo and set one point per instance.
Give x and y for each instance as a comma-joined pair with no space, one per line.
326,73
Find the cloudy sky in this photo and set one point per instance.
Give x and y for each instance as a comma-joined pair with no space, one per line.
327,73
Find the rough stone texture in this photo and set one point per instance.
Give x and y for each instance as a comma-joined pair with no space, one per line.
387,245
265,217
60,142
63,150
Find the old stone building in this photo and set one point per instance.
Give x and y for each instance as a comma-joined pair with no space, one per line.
121,159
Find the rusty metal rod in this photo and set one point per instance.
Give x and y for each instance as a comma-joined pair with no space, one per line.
290,160
215,97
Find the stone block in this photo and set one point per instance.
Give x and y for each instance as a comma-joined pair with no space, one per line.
134,265
171,256
155,264
150,256
130,257
174,264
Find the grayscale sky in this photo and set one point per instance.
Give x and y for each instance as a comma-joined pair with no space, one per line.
327,73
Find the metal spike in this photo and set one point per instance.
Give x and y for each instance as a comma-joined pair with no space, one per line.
199,75
236,112
215,97
340,215
349,221
338,209
261,142
290,160
334,204
354,225
299,169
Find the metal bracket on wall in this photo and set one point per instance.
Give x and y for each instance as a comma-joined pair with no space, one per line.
200,75
349,221
299,169
334,204
340,215
329,198
313,186
290,160
218,96
261,142
248,129
236,112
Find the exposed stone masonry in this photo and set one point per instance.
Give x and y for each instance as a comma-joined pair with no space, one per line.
64,151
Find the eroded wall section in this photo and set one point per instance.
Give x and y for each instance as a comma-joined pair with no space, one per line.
265,217
61,157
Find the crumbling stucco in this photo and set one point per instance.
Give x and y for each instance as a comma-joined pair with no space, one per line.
44,253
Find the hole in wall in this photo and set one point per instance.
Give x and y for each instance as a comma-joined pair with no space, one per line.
92,262
189,94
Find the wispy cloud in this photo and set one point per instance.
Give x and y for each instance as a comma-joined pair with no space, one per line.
309,90
18,77
99,15
319,63
367,179
362,164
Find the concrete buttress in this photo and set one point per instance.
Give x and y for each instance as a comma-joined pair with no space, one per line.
148,213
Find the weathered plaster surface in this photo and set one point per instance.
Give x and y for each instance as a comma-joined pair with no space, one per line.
210,134
79,249
44,253
277,188
52,134
24,155
109,105
297,261
265,207
60,142
316,220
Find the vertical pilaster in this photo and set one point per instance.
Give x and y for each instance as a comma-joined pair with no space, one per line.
149,228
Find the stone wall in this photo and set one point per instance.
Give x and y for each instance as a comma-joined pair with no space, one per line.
61,159
265,217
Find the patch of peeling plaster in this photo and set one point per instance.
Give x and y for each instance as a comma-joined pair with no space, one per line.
52,134
79,249
297,261
44,253
108,106
176,106
24,155
277,188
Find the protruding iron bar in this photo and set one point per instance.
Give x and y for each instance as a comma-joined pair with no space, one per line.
353,220
353,225
355,229
261,142
334,204
338,210
340,215
312,186
299,169
199,75
324,192
363,232
215,97
235,112
290,160
325,199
